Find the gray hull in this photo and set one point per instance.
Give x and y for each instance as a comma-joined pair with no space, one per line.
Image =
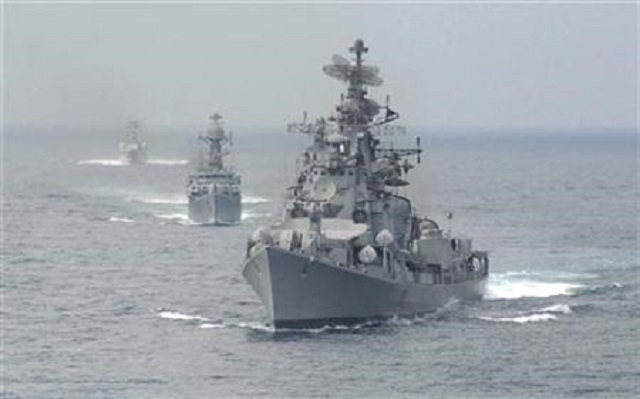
220,209
134,157
298,292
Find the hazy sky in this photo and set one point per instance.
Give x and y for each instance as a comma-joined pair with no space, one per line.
464,66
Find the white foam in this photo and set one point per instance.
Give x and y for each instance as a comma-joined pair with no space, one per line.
103,162
253,200
168,162
537,317
255,326
211,325
178,218
173,216
253,215
166,314
504,287
120,162
119,219
173,200
559,308
518,273
401,321
545,314
180,199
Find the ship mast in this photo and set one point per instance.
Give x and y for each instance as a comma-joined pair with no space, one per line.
134,127
356,128
214,140
356,94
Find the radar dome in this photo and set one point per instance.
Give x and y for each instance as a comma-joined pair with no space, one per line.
384,237
367,254
323,190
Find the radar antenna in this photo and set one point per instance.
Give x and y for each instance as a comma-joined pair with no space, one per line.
215,117
356,74
339,60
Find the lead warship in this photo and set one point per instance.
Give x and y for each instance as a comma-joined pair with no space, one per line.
213,189
350,248
133,151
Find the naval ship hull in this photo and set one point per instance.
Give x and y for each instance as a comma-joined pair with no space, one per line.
219,209
302,293
133,157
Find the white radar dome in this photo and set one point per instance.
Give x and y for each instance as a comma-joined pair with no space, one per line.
323,190
367,254
384,237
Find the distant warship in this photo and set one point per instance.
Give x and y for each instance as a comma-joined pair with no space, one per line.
350,248
133,151
213,188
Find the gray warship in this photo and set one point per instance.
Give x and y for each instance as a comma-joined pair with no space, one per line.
133,151
350,249
213,188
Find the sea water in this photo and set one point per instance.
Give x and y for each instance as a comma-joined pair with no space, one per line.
109,291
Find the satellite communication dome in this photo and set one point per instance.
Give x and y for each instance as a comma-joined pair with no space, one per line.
367,254
323,190
384,237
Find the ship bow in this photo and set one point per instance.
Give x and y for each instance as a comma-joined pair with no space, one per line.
301,292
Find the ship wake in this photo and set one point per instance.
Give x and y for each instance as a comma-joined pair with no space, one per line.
176,199
102,162
202,322
523,285
548,313
248,199
167,162
120,162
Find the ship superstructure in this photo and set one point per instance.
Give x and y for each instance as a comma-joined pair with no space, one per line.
134,150
213,188
349,247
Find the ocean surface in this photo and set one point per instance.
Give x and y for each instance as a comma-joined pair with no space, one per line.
108,291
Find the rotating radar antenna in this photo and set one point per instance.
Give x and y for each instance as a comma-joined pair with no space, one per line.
354,73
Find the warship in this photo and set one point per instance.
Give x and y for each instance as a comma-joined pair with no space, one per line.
133,151
213,189
351,249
